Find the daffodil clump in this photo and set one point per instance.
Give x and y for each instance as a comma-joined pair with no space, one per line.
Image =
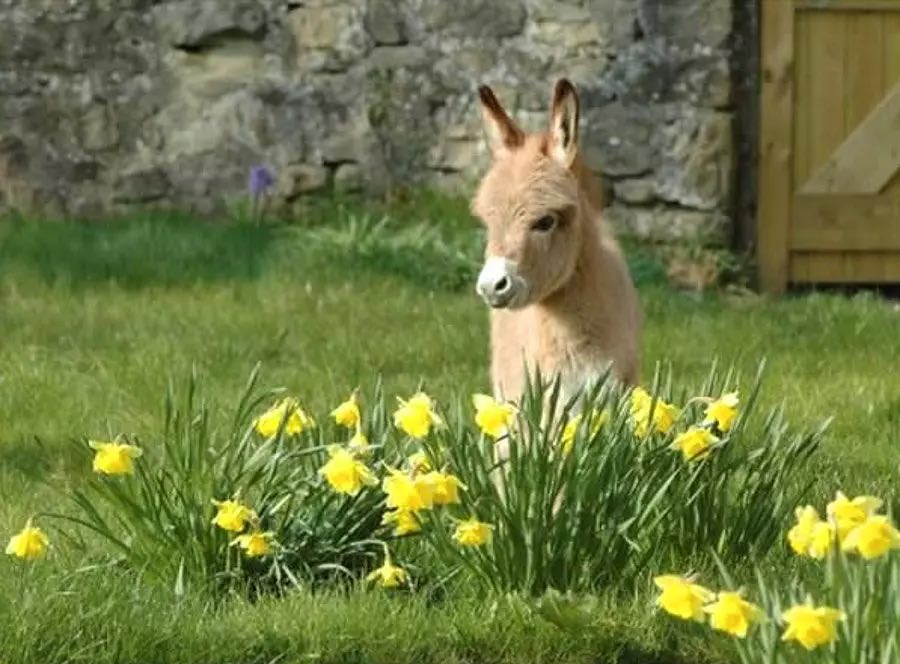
850,615
521,496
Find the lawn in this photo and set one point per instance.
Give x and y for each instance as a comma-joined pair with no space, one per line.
97,320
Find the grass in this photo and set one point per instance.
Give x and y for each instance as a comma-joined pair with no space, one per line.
97,319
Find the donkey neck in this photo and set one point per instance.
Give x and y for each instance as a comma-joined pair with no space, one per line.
575,301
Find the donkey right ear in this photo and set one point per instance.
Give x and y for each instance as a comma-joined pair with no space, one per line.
503,134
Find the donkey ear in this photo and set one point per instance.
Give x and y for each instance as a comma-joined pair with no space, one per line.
503,134
564,123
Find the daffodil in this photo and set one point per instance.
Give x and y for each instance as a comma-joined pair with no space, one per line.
822,540
445,487
800,536
493,417
347,414
288,411
811,536
418,462
416,416
29,544
651,417
345,473
847,514
874,538
114,458
598,419
359,444
389,575
255,544
733,614
472,532
408,493
405,521
681,597
232,515
811,626
723,411
695,443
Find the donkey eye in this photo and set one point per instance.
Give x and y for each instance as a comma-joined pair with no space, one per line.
544,224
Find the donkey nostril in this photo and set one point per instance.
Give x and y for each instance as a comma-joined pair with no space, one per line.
502,286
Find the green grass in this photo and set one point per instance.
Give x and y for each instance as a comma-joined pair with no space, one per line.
95,320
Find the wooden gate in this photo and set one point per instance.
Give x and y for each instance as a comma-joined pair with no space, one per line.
829,190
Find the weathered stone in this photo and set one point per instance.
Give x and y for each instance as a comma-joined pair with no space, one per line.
298,179
195,24
618,139
665,224
687,22
172,101
474,18
696,161
570,35
99,128
456,155
212,73
348,178
141,186
395,57
385,23
639,191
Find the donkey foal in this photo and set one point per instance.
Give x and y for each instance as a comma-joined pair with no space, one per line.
562,299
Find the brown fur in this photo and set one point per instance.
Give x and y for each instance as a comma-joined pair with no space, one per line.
582,311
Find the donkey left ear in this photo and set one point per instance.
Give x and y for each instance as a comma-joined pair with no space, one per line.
564,123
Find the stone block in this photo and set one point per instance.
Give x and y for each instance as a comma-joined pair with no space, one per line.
666,224
195,24
474,18
384,22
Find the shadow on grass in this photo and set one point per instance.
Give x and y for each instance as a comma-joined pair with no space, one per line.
141,252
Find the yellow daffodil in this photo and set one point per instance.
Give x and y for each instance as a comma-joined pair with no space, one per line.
418,462
723,411
359,444
347,414
345,473
408,493
405,522
847,514
114,458
255,544
800,536
445,487
733,614
473,532
232,515
874,538
389,575
416,416
822,540
29,544
681,597
651,417
695,443
811,536
295,423
598,419
811,626
492,417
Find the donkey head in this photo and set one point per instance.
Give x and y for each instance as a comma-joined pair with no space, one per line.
529,203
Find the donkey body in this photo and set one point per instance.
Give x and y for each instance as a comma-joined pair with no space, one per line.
561,295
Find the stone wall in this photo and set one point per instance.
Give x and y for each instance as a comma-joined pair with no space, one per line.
111,103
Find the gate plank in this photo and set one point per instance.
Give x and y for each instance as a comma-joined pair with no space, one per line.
868,159
776,112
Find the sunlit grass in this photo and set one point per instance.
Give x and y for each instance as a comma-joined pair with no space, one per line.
95,321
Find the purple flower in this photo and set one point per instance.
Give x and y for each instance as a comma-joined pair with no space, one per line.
260,181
